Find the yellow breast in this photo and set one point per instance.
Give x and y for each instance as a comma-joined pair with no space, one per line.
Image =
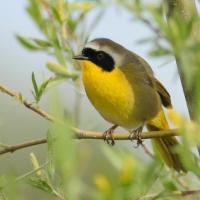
110,93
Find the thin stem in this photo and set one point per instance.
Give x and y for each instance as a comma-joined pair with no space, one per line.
18,96
147,151
79,134
16,147
19,178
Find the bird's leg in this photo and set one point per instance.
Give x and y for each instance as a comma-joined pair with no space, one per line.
108,135
136,133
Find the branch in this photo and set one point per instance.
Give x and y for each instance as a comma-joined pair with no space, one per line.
18,96
79,134
16,147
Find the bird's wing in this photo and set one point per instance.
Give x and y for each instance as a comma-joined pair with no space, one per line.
144,72
139,68
164,94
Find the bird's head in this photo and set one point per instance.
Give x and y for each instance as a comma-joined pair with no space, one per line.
104,53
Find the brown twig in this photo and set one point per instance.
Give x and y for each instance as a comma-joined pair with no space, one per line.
79,134
16,147
18,96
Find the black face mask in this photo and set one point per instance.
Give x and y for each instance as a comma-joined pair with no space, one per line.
100,58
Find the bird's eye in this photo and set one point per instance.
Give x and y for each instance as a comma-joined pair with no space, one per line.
100,56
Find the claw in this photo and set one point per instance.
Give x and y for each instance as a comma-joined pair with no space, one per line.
137,133
108,135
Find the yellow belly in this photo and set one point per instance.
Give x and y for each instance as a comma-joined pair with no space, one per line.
111,94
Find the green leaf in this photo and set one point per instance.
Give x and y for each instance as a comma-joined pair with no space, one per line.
61,70
39,90
72,23
25,42
40,184
56,15
42,88
35,86
35,11
42,43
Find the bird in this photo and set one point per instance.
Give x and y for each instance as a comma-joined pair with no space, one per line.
122,87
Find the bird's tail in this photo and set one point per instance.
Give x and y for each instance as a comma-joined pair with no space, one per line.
165,145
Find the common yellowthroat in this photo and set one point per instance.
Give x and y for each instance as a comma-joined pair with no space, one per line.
122,87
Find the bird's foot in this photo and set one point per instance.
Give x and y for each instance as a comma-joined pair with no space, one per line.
137,134
108,135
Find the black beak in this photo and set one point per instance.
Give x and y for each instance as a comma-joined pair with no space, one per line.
80,57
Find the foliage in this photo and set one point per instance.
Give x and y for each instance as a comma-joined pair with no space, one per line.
114,173
63,26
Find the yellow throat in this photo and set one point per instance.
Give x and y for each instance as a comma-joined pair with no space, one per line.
110,93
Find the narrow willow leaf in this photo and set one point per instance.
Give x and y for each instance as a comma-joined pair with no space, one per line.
35,86
40,184
25,42
34,10
56,15
42,88
72,23
35,164
61,70
42,43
